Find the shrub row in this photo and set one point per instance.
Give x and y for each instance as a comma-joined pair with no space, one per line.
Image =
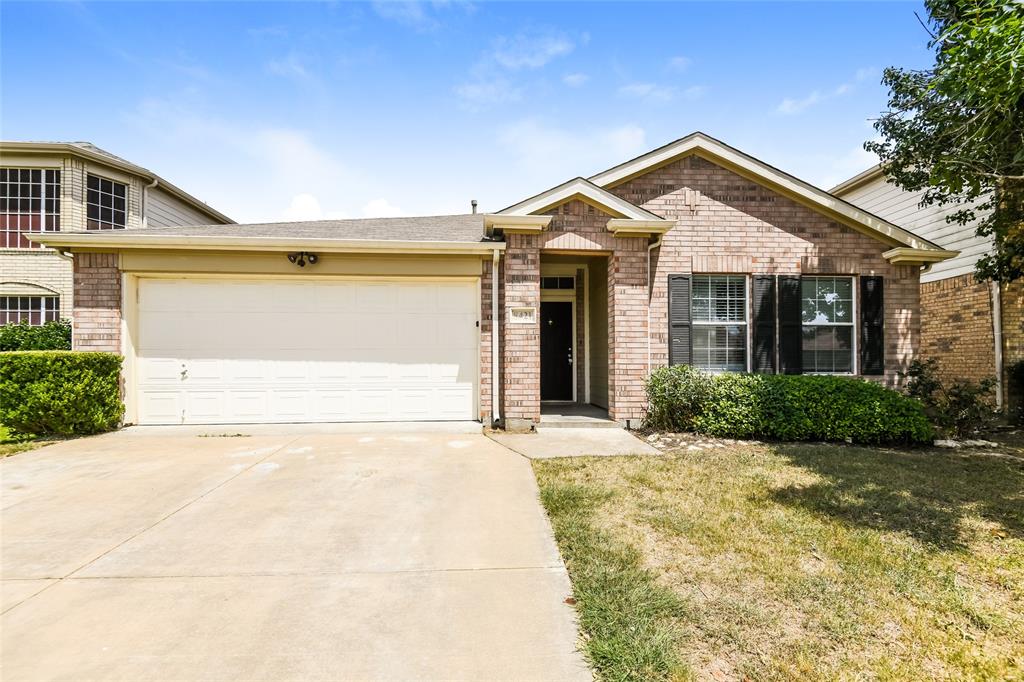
782,407
60,392
23,336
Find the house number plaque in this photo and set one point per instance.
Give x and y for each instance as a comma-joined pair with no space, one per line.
523,315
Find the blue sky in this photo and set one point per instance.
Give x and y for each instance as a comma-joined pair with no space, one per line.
307,110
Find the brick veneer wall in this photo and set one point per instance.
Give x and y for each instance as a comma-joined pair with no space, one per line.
627,329
521,354
726,223
97,318
956,327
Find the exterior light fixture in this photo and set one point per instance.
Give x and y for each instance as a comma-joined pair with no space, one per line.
302,257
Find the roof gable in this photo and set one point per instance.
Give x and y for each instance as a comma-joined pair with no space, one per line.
757,171
580,188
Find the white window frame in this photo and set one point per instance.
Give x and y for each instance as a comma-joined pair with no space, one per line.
854,316
718,323
105,226
43,214
44,308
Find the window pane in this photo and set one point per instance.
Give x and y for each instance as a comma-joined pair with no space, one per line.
828,349
720,348
22,206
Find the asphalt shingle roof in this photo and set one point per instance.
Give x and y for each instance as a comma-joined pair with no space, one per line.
444,228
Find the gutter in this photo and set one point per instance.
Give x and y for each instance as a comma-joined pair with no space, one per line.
997,333
144,241
145,200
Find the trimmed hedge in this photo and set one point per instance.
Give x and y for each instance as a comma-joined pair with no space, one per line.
62,393
784,407
23,336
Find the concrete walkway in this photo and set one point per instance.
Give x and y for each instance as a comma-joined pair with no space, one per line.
574,442
283,555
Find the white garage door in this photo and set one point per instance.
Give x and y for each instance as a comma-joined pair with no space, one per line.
235,351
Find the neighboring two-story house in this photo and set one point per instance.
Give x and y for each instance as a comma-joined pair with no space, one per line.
72,187
974,329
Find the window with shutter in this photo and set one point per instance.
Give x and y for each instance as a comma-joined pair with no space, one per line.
827,314
872,322
790,328
679,320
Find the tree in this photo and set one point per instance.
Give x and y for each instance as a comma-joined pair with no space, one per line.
956,130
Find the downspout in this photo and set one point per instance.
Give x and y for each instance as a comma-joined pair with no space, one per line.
997,333
145,201
495,407
650,296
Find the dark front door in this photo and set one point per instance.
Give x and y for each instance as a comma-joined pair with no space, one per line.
556,350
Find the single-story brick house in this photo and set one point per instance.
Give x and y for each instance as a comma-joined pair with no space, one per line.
692,253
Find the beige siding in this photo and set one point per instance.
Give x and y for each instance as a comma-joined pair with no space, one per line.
165,210
21,270
888,201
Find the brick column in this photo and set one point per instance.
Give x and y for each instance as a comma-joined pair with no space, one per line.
521,353
97,319
627,329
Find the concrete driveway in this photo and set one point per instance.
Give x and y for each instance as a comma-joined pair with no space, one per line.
292,553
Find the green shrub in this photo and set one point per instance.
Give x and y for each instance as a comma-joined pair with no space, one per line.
781,407
23,336
960,408
60,392
675,396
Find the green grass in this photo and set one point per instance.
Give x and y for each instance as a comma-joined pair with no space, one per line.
12,445
794,562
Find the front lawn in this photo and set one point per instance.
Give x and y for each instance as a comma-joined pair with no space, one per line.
12,445
794,562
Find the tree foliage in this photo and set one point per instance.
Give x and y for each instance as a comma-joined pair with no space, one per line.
956,130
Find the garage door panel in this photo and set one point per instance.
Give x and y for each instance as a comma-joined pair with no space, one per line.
305,351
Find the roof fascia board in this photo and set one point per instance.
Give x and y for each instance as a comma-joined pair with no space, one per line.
908,256
760,172
48,148
584,190
86,242
858,180
627,227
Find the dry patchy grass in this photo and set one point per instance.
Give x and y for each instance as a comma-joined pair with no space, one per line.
795,562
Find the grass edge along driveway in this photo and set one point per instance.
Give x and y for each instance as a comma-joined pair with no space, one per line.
793,561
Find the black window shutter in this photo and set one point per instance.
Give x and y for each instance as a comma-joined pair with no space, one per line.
872,322
763,290
679,321
790,328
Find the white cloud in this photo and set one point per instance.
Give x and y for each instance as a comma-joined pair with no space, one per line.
679,63
575,80
289,67
381,208
795,106
695,92
412,14
530,50
483,92
791,105
553,152
490,78
303,207
651,92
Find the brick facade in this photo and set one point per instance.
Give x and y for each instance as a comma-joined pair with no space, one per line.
728,224
521,342
957,329
97,316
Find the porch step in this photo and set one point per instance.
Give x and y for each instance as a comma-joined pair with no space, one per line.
546,423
